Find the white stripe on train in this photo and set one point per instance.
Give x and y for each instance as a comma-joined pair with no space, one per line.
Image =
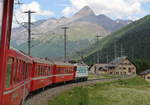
36,78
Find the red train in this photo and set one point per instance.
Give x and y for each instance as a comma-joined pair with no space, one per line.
26,74
21,74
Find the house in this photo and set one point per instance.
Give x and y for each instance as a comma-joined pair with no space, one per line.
119,66
122,66
98,69
146,75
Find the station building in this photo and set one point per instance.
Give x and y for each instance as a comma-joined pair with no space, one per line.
119,66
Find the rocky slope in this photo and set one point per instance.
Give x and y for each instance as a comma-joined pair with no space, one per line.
84,25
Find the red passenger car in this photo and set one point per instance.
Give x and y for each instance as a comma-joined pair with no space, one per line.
7,87
19,73
18,78
63,72
42,73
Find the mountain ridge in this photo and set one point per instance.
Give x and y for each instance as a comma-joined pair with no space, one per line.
133,39
84,25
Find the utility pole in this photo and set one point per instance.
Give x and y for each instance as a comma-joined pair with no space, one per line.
29,12
107,57
80,53
115,50
97,37
121,50
65,43
18,3
132,53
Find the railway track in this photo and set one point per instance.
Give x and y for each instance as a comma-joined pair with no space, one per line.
41,97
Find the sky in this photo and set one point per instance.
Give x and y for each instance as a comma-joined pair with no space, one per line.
122,9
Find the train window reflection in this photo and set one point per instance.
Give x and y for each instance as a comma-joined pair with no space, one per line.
1,7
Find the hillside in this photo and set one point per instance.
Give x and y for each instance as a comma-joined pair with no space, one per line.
83,27
134,40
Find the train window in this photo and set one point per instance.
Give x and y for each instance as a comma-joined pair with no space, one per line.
36,70
9,69
49,70
42,73
39,71
1,9
43,70
26,70
20,71
15,71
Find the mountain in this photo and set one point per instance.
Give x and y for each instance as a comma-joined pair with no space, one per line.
83,27
132,40
84,12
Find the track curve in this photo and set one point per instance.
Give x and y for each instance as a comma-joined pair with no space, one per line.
42,97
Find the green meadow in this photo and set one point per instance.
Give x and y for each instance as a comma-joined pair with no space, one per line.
133,91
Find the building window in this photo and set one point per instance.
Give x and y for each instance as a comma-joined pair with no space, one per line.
130,70
148,77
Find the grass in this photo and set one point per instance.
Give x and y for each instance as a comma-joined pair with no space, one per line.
134,91
93,76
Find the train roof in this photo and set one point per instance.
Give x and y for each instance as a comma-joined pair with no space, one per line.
43,61
81,64
63,63
21,53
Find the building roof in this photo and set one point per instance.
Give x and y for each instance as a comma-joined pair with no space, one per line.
145,72
118,60
100,66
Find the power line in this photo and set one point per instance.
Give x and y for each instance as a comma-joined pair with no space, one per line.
18,2
65,42
29,12
35,45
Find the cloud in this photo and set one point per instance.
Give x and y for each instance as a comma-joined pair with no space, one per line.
112,8
68,10
20,16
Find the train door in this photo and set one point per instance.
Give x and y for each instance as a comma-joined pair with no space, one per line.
6,10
